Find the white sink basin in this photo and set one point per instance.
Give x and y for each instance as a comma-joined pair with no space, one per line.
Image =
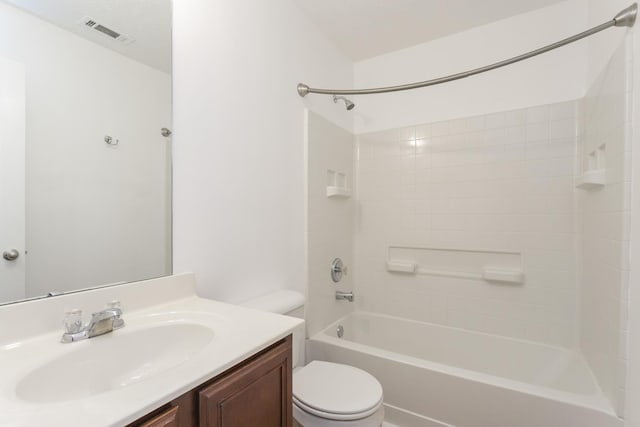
113,361
173,341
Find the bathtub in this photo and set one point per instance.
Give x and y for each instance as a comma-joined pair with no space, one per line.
444,376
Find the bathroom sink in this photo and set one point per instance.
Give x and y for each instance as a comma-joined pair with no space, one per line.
113,361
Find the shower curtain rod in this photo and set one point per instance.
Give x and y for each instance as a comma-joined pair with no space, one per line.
626,18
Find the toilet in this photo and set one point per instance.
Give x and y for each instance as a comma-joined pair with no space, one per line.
325,394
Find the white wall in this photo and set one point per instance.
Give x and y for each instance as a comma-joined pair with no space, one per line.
238,141
497,182
95,214
12,176
553,77
330,221
601,49
602,46
632,409
604,229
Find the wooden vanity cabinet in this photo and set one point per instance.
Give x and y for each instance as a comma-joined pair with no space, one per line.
167,418
178,413
256,392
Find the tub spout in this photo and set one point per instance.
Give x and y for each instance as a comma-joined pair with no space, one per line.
344,295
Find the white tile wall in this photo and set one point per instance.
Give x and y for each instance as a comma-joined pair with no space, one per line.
605,229
502,181
329,221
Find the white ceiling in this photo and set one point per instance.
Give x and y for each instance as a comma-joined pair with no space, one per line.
147,21
367,28
360,28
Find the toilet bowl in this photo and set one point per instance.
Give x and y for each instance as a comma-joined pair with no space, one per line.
325,394
329,394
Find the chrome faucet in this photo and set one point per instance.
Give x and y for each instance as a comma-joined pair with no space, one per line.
102,322
344,295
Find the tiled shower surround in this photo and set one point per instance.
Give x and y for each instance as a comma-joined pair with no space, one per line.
506,182
450,201
604,234
498,182
329,220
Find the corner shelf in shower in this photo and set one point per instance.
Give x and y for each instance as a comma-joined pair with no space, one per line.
594,176
338,192
337,185
592,179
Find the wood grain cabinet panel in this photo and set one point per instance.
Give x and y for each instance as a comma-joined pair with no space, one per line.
254,393
168,418
180,412
257,394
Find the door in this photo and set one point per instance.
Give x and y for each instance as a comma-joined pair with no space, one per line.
12,180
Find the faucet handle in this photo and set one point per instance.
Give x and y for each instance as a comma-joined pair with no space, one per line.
115,306
73,321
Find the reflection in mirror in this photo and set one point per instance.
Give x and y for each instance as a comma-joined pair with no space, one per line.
85,168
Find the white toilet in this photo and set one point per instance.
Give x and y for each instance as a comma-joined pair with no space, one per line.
325,394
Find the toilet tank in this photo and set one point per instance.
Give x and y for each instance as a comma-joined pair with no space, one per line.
288,303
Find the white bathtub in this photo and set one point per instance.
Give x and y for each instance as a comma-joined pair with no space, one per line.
439,376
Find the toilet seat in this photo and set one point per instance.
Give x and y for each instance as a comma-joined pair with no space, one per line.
334,416
308,420
335,391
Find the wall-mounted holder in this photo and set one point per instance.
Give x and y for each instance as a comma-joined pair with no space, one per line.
396,266
595,175
486,265
592,179
110,140
339,192
337,185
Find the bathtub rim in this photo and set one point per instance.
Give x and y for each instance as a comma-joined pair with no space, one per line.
597,402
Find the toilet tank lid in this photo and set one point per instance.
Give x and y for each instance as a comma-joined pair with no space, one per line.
282,301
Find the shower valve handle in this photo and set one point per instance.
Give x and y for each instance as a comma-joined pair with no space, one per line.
338,269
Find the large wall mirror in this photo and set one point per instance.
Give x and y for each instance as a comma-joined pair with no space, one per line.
85,144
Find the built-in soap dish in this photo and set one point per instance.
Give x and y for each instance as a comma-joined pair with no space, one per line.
337,185
592,179
595,175
338,192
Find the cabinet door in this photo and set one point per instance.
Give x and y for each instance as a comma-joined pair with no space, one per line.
257,394
168,418
180,412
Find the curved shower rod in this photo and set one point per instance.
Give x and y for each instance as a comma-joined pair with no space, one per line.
626,18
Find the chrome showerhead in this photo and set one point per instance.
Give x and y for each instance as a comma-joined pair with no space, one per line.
347,103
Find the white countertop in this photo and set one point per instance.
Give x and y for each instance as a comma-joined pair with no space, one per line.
238,333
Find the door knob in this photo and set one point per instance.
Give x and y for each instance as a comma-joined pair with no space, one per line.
11,255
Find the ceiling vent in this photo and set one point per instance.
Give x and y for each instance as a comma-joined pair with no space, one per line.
94,25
